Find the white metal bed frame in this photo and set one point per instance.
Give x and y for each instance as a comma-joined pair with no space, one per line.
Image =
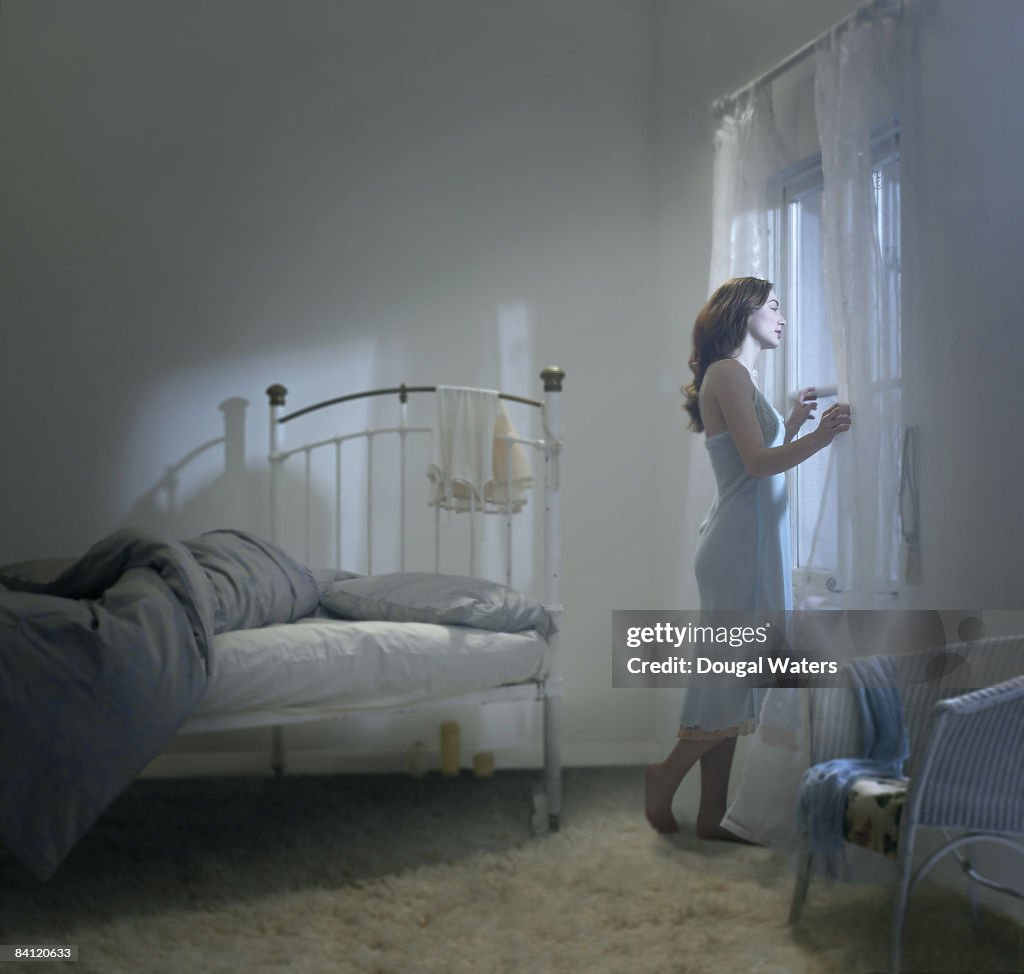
547,686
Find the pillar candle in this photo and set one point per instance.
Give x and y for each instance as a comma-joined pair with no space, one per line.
483,764
419,760
450,748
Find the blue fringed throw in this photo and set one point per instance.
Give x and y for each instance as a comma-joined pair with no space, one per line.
885,745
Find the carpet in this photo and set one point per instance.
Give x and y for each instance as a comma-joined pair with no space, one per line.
386,874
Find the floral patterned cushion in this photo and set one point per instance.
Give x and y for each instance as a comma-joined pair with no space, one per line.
874,807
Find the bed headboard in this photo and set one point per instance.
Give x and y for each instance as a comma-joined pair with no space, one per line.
351,477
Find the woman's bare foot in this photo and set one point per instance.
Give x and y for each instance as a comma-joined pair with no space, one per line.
659,789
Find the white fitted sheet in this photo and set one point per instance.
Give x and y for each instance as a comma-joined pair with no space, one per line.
318,666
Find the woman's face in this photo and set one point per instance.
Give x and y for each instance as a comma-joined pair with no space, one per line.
765,325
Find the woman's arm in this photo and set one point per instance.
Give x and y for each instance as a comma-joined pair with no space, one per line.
734,391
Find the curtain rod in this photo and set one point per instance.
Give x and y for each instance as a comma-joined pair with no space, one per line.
866,10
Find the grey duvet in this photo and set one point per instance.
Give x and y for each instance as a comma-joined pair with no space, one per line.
101,666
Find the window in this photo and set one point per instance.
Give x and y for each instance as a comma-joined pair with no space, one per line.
816,491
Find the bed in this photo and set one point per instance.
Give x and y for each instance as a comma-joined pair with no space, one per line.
144,638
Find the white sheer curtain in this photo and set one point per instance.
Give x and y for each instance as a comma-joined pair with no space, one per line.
854,106
748,158
853,102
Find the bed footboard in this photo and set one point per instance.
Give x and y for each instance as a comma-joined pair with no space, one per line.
547,687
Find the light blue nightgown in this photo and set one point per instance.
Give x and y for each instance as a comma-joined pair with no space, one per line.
742,562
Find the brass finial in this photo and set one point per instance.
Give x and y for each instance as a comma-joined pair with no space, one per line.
276,393
553,377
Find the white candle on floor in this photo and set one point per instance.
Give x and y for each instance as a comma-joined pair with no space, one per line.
483,764
419,760
450,748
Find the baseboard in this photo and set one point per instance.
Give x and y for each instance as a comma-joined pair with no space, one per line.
252,763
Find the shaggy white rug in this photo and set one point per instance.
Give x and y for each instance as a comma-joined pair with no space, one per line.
379,874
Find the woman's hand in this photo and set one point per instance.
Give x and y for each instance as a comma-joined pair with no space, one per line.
806,402
835,420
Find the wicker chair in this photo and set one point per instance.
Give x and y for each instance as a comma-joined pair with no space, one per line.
966,777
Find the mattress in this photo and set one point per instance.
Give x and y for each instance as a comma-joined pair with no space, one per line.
314,667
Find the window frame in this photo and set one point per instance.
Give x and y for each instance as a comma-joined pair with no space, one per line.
799,181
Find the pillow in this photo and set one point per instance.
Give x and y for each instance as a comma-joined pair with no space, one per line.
446,600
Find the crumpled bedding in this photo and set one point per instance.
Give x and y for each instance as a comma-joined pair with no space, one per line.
101,666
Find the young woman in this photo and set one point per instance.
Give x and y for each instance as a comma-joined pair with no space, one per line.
743,560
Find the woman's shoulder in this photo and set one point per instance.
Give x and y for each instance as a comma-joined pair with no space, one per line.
727,371
725,363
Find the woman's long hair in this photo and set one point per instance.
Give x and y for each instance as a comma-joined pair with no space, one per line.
719,330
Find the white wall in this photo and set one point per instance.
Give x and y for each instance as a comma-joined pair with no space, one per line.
201,199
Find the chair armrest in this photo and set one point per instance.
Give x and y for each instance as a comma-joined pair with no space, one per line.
972,772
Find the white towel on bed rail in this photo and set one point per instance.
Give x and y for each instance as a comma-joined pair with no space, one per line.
471,465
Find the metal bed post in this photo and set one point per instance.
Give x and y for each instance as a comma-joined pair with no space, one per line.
309,505
337,503
369,502
508,513
403,416
472,533
552,687
276,394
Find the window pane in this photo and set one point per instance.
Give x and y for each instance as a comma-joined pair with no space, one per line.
815,494
814,364
816,526
890,370
815,360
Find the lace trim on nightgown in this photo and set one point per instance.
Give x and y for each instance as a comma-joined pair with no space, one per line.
695,733
767,418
